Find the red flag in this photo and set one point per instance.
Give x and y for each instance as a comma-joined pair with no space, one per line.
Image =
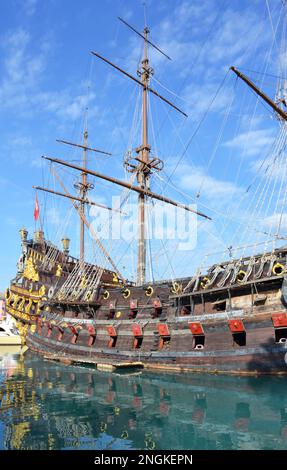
36,209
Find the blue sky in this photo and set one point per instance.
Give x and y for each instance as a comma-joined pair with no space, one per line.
48,78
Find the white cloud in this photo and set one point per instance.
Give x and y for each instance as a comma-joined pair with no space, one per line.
20,141
203,44
193,178
21,85
199,99
272,222
21,70
11,221
18,38
64,105
54,216
21,148
253,142
29,7
226,46
18,64
273,163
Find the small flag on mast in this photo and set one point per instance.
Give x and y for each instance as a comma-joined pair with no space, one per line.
36,208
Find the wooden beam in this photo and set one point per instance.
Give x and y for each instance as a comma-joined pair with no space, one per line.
260,93
85,201
130,186
138,82
147,40
82,146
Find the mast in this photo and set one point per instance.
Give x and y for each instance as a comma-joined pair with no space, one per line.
89,226
144,164
83,192
143,170
83,187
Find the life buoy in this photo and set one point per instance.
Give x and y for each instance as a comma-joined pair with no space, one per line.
283,340
175,288
199,346
278,269
89,295
117,410
51,292
149,291
149,443
103,427
118,314
106,294
240,275
204,283
126,293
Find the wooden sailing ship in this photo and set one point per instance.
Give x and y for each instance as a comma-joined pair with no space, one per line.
230,319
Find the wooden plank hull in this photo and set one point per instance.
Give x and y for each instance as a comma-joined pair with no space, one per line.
183,326
260,355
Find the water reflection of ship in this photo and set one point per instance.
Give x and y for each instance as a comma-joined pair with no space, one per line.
8,365
66,407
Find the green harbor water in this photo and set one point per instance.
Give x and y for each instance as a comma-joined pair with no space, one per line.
45,405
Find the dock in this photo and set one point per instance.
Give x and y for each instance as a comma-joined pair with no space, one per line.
102,366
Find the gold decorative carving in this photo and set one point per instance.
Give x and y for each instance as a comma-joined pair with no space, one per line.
26,292
16,298
42,290
27,309
59,270
30,271
21,305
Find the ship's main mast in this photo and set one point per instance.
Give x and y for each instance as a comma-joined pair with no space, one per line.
83,187
143,164
143,168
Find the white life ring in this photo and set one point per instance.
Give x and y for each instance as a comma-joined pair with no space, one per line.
51,292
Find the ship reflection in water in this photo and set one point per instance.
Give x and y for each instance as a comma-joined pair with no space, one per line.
44,405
